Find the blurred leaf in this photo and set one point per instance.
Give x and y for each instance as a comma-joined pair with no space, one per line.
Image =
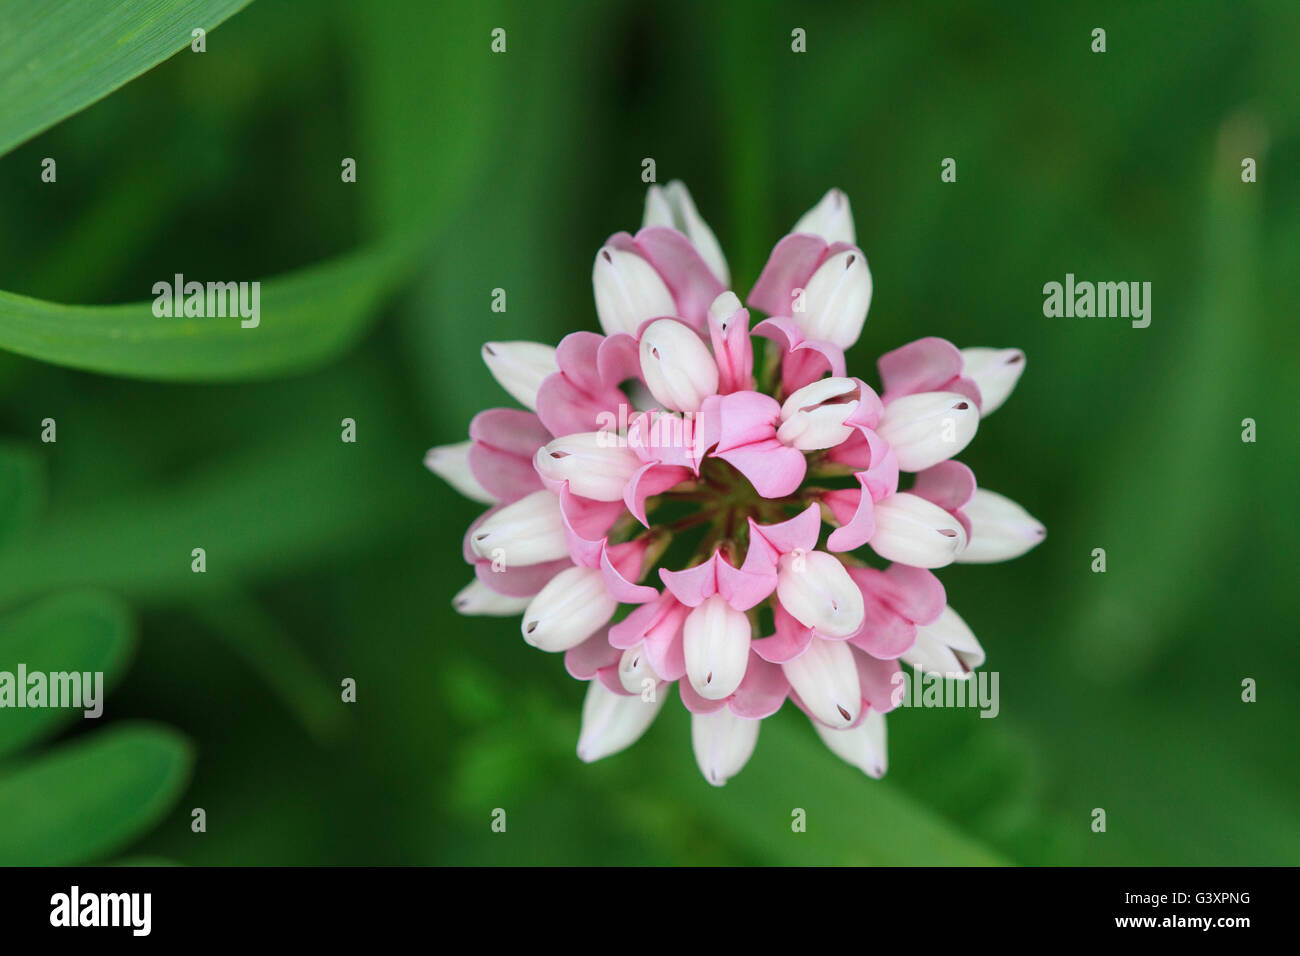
60,56
306,317
22,490
91,796
264,645
74,632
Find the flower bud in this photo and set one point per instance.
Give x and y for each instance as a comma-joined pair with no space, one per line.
818,592
634,670
569,609
520,367
945,647
677,366
478,599
672,206
813,416
831,219
628,291
451,464
929,427
826,679
715,641
836,299
529,531
1000,529
995,371
591,462
862,746
912,530
612,722
723,743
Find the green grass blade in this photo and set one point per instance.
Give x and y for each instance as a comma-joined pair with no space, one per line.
59,56
306,317
91,797
74,632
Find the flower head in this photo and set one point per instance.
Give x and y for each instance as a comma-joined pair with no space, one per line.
670,511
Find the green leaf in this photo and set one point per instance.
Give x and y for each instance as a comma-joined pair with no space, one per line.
305,318
22,490
91,797
58,57
82,632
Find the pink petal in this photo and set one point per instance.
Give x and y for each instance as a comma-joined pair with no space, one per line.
740,589
647,481
790,640
593,654
684,271
949,484
762,692
793,261
767,542
733,351
695,703
915,593
620,566
926,365
501,458
856,525
775,470
586,523
525,580
805,360
879,685
885,633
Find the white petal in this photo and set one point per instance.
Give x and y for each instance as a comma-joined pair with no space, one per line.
716,641
1000,529
948,647
520,368
658,212
687,220
912,530
612,722
826,680
477,598
995,371
863,746
818,592
569,609
628,291
634,670
723,743
678,367
529,531
592,462
836,299
928,428
451,464
831,218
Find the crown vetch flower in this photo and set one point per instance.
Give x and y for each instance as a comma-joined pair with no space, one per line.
660,511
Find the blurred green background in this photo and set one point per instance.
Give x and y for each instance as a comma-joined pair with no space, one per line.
327,560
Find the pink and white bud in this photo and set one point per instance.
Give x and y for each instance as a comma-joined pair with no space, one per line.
520,368
677,366
612,722
628,291
818,592
1000,529
529,531
723,743
995,371
715,641
813,416
672,206
945,647
571,607
826,680
591,462
451,464
836,299
912,530
863,746
476,598
634,670
929,427
832,219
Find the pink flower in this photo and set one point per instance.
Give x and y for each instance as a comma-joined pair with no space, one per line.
666,436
